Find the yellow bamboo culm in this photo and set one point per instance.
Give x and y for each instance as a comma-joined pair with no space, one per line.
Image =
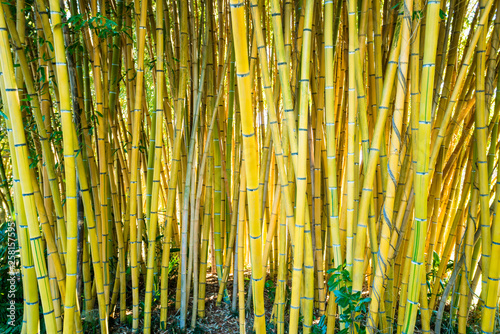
250,153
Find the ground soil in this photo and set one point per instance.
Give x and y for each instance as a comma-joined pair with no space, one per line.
218,319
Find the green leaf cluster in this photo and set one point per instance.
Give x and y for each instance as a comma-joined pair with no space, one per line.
353,306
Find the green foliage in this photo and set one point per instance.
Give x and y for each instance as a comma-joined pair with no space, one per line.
321,327
173,265
3,115
442,14
90,321
104,26
270,289
353,307
449,325
431,275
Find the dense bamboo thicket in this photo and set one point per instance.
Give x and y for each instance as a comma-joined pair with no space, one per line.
344,153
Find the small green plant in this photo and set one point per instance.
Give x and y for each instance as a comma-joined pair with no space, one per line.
270,289
353,307
432,275
90,321
321,327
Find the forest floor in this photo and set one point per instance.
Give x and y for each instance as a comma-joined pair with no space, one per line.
221,319
218,319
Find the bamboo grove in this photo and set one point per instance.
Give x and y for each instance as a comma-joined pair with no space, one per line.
278,138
